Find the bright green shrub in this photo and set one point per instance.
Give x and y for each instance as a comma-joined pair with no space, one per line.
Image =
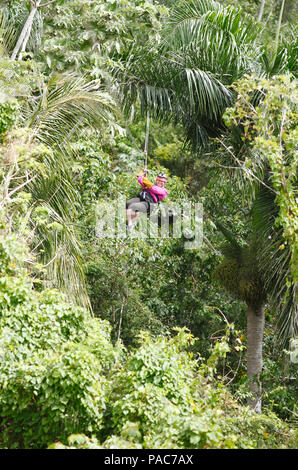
177,403
51,395
61,376
163,368
160,390
162,399
12,254
53,359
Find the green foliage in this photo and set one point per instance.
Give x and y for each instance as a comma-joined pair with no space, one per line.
12,20
38,160
51,395
242,282
61,376
266,114
212,46
12,254
18,79
8,112
53,359
116,295
90,36
65,378
166,367
162,398
228,275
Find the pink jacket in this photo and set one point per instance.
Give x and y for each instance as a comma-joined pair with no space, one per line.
157,193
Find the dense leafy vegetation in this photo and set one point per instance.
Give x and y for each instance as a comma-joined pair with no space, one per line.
61,375
138,342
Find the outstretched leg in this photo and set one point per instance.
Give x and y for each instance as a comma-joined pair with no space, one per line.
133,208
131,217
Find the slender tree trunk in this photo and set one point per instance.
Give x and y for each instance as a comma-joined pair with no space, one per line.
25,33
255,329
120,320
278,32
27,36
261,10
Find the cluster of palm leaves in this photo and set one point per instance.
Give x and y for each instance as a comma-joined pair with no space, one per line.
65,106
274,263
204,48
52,111
257,271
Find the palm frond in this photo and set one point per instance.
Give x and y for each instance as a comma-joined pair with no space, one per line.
64,104
226,37
52,114
56,243
286,57
232,248
198,18
8,33
193,9
204,47
175,89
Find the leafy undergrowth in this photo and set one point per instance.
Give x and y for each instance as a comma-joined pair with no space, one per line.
63,384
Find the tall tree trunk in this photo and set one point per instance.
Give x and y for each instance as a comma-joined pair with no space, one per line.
278,32
255,329
25,33
261,10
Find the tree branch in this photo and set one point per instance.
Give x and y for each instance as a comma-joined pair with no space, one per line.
261,10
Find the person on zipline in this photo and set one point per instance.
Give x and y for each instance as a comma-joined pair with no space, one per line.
151,194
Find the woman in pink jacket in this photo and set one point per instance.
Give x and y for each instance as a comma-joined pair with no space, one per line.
151,194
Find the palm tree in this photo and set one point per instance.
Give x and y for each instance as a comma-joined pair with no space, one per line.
50,116
244,273
204,48
186,78
52,112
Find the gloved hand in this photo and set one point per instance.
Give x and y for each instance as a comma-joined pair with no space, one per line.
143,172
147,183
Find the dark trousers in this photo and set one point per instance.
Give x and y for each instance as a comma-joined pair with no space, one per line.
137,205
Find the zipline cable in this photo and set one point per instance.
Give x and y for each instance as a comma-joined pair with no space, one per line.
146,143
